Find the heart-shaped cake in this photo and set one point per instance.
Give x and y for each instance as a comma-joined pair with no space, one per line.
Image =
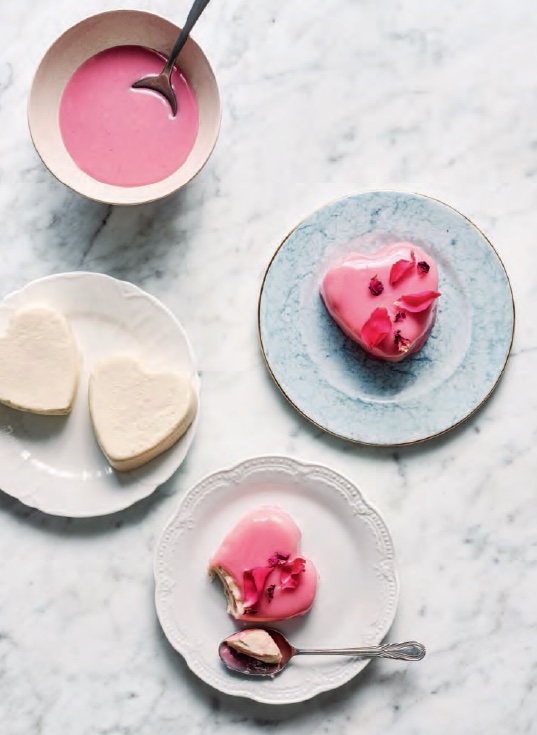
385,301
39,362
137,415
263,576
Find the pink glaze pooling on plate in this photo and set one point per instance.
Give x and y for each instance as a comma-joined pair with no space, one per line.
124,136
385,301
264,576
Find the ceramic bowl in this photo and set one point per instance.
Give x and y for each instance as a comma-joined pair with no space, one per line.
76,45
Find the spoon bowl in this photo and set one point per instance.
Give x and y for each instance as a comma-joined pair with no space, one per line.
249,665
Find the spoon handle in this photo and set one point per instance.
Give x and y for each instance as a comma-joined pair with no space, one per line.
198,6
408,651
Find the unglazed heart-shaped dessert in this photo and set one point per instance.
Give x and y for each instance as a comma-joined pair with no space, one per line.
138,415
39,362
386,301
258,563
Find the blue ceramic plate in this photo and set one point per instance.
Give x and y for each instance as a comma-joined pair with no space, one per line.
330,380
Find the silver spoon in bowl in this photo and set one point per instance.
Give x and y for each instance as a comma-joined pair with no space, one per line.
162,82
247,664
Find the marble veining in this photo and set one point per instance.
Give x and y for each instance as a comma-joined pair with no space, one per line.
319,100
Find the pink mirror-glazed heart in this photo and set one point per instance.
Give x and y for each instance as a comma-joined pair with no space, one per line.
385,301
262,572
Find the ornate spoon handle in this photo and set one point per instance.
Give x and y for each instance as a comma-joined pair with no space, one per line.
408,651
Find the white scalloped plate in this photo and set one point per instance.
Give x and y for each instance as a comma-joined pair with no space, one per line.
53,463
345,537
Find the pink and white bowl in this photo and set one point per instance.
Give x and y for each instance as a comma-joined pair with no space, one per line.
81,42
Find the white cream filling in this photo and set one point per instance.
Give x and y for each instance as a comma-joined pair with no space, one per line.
256,643
235,604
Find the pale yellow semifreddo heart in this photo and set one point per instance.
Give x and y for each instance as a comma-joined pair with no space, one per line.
39,362
136,414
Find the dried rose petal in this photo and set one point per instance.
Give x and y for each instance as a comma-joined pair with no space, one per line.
254,580
401,268
423,267
291,572
254,583
416,302
402,343
375,286
277,559
376,328
400,315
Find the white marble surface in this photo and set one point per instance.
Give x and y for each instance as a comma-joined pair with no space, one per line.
320,99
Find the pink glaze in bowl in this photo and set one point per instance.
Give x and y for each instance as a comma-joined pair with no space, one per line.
82,41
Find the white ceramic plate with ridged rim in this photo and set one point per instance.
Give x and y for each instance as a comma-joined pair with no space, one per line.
342,533
54,463
330,380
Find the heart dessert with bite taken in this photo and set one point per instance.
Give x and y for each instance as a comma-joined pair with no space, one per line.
39,362
385,301
138,415
258,563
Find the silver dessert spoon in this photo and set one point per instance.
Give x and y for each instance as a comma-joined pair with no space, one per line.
244,664
162,82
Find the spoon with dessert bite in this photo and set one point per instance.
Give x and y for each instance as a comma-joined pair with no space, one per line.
162,82
266,652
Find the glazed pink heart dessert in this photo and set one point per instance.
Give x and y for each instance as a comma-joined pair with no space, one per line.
263,576
386,301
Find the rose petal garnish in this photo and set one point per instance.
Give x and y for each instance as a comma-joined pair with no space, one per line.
375,286
423,267
402,343
291,572
254,580
401,268
376,328
416,302
254,583
277,559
